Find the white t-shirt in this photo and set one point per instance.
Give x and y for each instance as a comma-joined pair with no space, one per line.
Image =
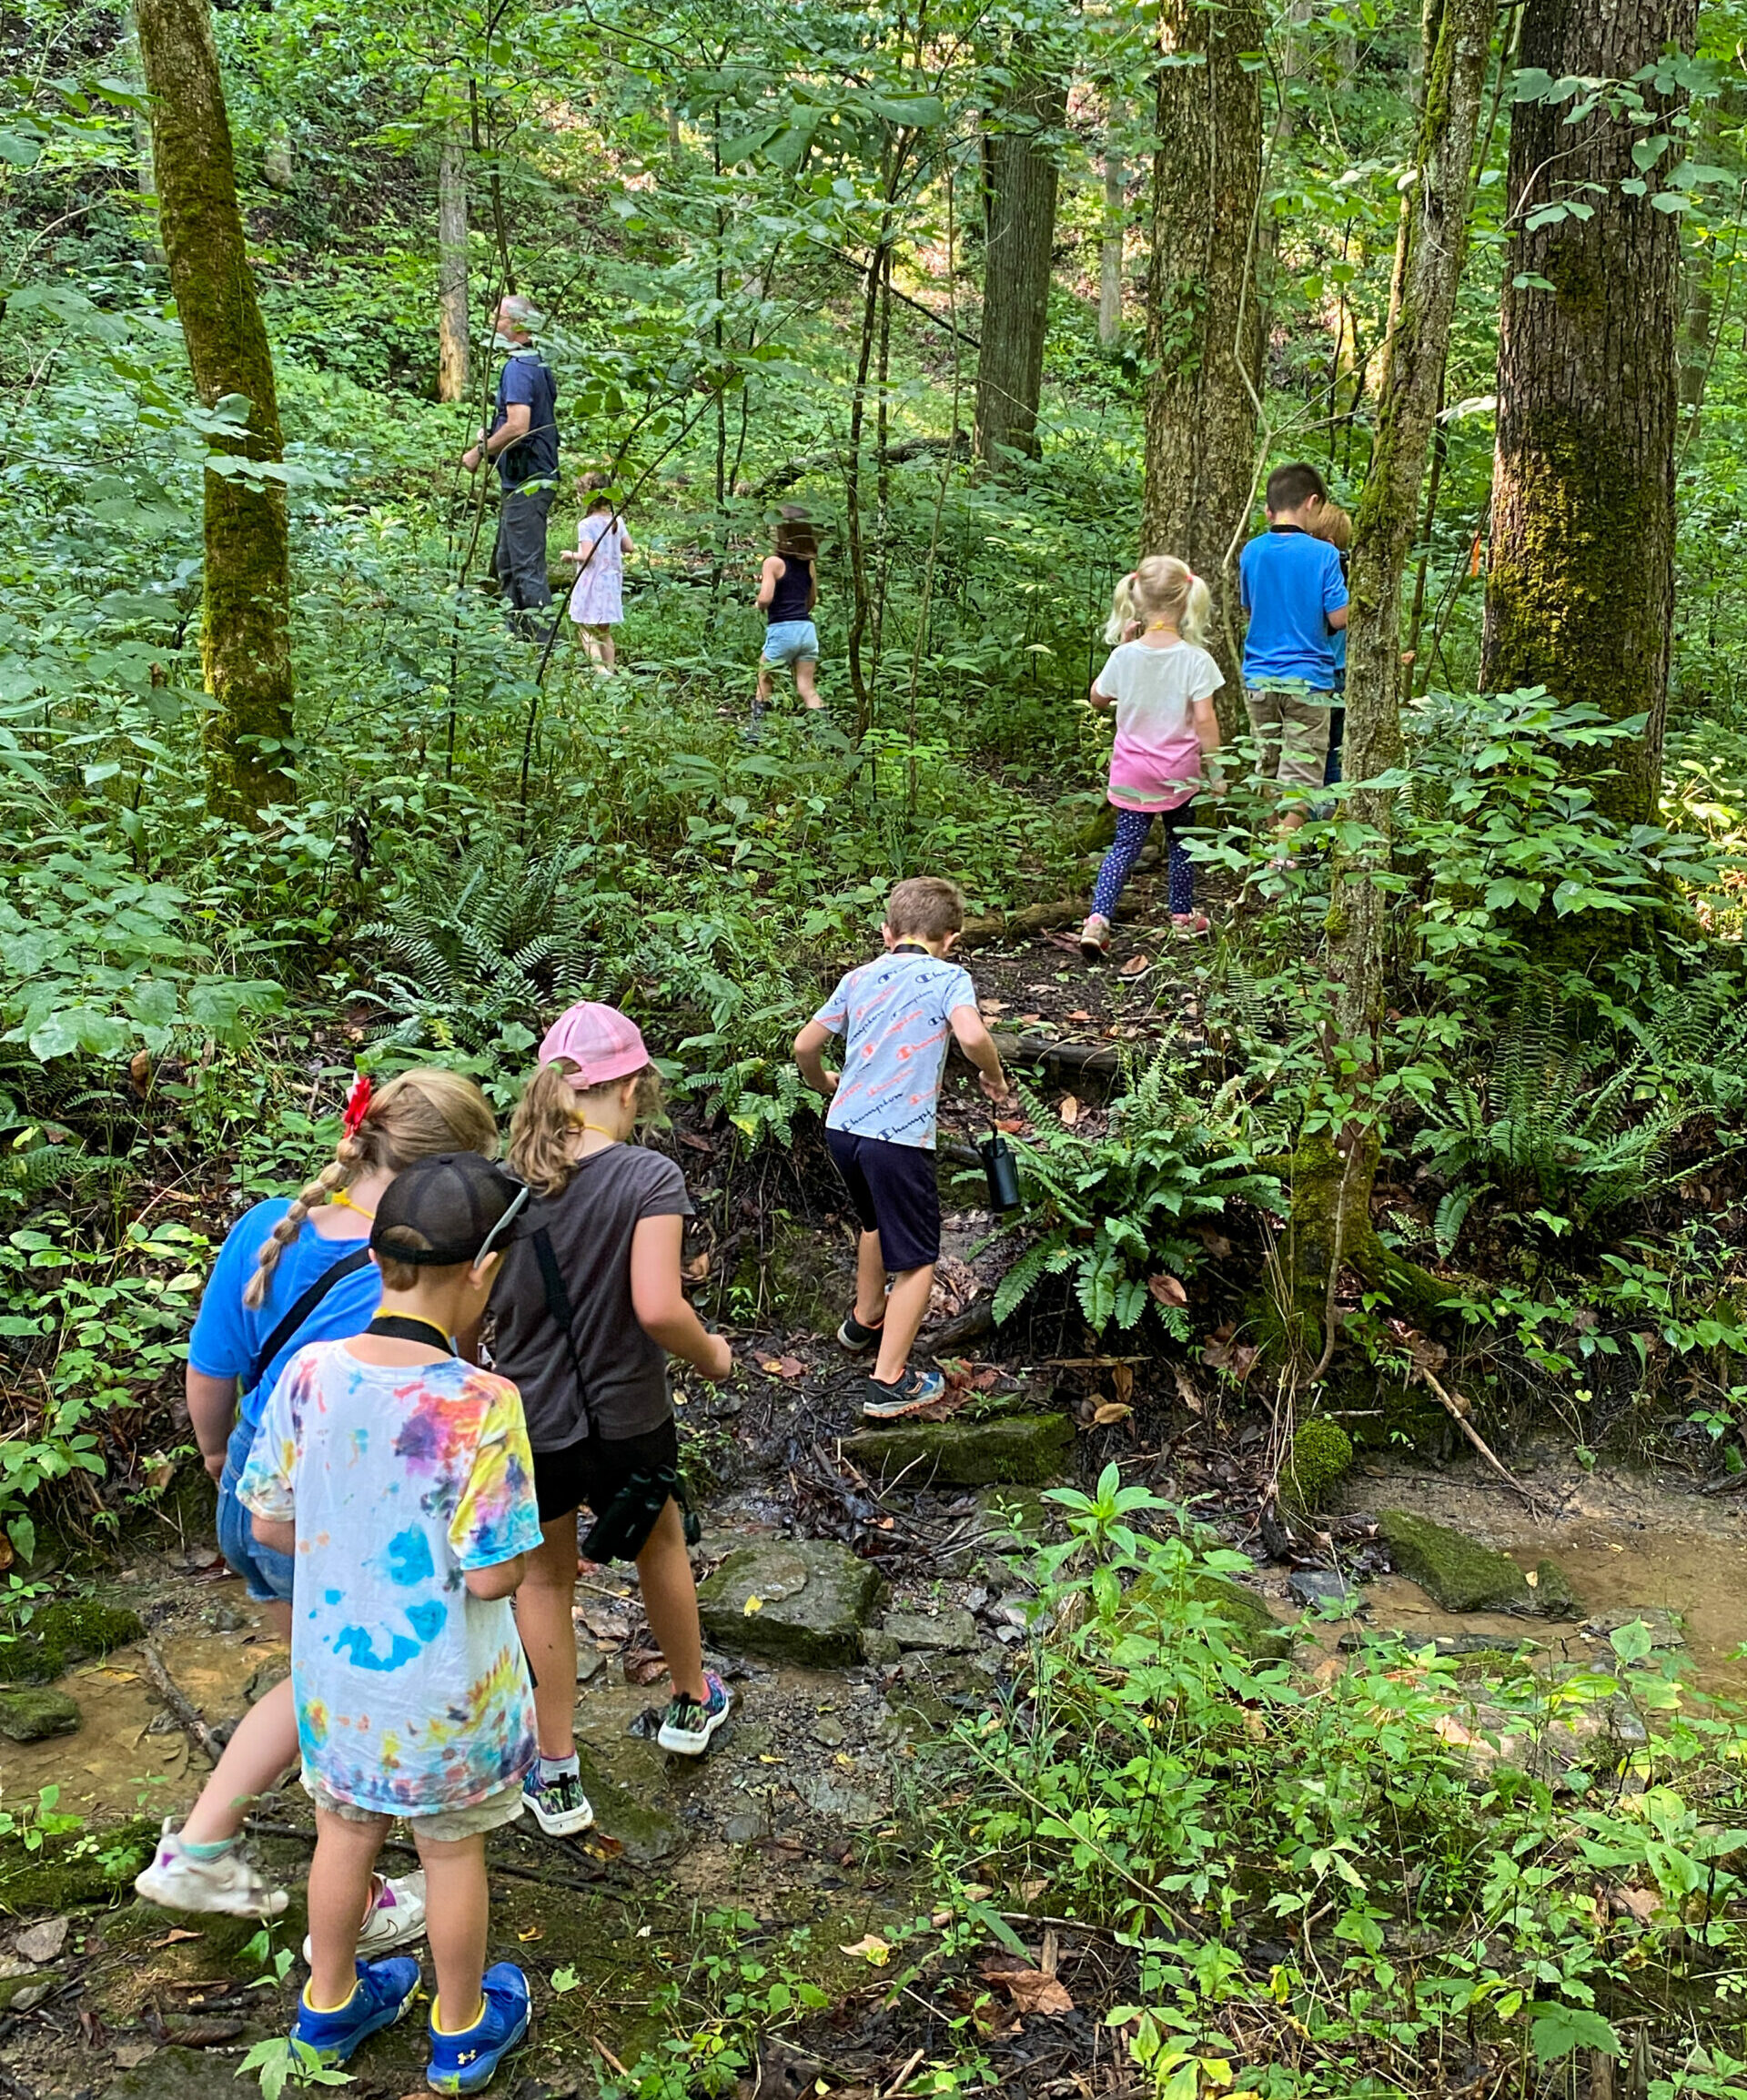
1157,761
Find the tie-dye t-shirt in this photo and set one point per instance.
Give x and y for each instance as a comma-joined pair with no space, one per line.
412,1695
892,1014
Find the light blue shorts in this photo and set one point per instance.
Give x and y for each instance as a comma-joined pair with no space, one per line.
792,642
266,1572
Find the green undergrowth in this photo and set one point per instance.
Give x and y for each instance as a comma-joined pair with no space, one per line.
1327,1883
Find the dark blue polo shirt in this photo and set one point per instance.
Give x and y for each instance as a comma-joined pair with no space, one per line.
526,377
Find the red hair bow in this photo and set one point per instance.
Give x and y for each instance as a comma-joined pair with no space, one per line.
357,1105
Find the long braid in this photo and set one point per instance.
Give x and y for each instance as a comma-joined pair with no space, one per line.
417,1114
339,1172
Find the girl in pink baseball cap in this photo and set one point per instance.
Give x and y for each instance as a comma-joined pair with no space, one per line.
588,1306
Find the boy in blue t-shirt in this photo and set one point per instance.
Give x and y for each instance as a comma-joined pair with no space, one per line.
1296,597
895,1014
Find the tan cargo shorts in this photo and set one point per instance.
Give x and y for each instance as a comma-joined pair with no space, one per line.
444,1826
1293,734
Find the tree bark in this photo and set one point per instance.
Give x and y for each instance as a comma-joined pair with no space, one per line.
246,632
1332,1184
1022,178
1203,318
1111,246
451,262
1581,583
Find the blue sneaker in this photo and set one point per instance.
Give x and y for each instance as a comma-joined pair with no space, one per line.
466,2061
383,1992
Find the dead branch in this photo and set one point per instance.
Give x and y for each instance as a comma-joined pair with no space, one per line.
181,1706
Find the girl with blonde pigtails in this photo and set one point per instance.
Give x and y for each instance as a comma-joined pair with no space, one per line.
1161,681
291,1273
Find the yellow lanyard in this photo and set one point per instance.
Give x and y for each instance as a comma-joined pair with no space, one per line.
346,1203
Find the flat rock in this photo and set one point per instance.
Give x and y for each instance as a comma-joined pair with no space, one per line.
813,1599
1662,1626
1459,1574
1254,1627
28,1716
955,1632
178,2075
1314,1586
42,1942
645,1832
838,1799
1011,1449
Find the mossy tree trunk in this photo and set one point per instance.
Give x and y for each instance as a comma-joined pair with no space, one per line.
1580,581
451,261
1337,1158
1204,317
1021,178
245,633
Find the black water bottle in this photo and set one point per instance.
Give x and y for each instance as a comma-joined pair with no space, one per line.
1003,1171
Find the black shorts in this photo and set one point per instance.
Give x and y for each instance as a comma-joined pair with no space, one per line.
894,1192
594,1470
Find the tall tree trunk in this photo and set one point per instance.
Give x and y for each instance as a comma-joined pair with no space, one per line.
1203,318
1580,583
1333,1173
1021,178
451,262
246,634
1111,246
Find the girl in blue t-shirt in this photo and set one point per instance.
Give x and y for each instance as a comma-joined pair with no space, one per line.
290,1273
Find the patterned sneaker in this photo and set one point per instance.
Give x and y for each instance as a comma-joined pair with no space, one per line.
464,2063
226,1884
1094,937
914,1391
560,1809
687,1727
382,1995
855,1337
396,1915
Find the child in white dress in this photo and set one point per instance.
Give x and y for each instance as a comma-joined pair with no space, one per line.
598,595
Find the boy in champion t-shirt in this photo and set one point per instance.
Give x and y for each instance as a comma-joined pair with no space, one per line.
895,1014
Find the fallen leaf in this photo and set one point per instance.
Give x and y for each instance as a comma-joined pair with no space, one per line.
1079,1014
1185,1391
130,2055
993,1005
1122,1377
1136,966
1030,1018
790,1367
1167,1290
1532,1578
1640,1903
872,1948
1109,1411
1448,1728
534,1932
176,1934
753,1607
1216,1243
695,1143
1010,1124
1069,1110
1032,1991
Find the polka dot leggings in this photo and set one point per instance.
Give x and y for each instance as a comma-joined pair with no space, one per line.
1132,827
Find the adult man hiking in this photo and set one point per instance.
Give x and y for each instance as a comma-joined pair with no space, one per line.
523,440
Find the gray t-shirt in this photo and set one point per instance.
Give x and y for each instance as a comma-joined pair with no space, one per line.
591,1223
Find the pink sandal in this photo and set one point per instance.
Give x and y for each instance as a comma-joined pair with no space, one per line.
1191,925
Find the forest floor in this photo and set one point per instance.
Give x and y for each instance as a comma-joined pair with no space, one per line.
795,1849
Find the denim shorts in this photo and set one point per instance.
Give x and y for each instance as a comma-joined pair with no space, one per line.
268,1573
792,642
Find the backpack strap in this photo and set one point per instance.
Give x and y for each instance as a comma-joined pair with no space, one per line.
306,1304
558,1305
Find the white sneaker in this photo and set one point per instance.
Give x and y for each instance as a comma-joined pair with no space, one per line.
397,1916
1094,937
226,1884
561,1807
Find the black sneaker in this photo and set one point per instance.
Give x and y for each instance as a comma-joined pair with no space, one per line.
914,1391
856,1338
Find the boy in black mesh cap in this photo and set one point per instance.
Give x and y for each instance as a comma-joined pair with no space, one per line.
402,1478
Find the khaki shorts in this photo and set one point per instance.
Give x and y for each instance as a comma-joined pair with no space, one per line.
1293,734
443,1826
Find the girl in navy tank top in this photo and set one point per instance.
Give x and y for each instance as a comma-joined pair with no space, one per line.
787,592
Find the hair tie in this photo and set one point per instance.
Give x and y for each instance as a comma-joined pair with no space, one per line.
357,1105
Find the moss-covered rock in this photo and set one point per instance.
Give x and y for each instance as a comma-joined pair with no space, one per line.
801,1601
83,1866
1254,1629
1014,1450
35,1712
73,1630
1461,1575
1322,1455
